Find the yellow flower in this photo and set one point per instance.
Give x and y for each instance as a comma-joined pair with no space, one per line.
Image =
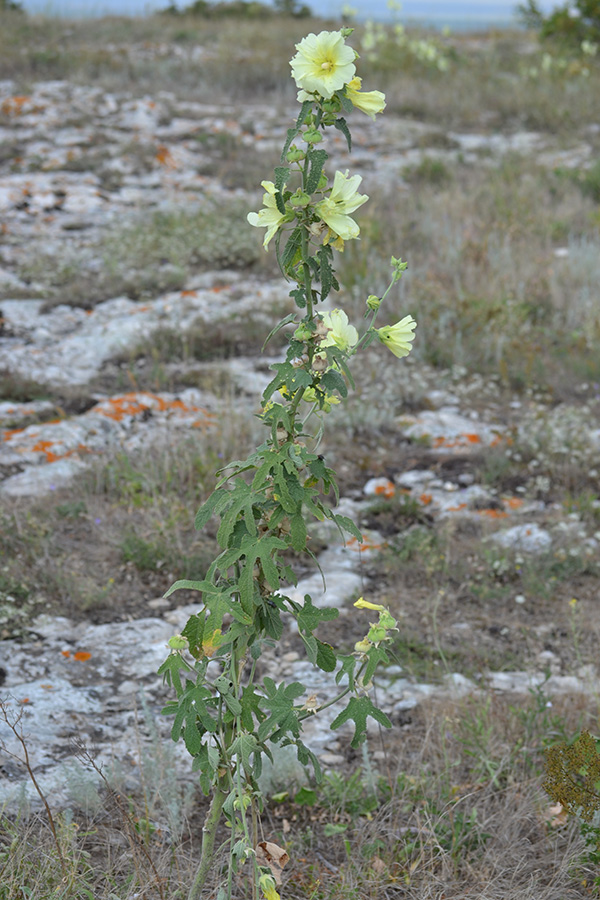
269,217
310,395
323,64
267,885
343,199
341,334
369,102
399,337
365,604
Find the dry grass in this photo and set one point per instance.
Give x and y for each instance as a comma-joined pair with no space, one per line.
452,806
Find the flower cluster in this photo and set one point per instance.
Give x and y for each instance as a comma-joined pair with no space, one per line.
424,51
320,214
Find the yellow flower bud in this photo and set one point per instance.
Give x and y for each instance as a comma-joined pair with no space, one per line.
365,604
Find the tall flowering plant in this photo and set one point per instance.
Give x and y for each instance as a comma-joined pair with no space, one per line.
227,716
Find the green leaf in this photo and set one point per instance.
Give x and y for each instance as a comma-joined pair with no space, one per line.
209,507
306,756
194,631
325,271
349,526
293,244
341,125
245,746
251,710
326,658
347,104
310,616
191,735
278,327
185,585
298,532
305,797
284,371
333,381
282,174
358,710
376,656
312,650
299,297
280,700
170,671
346,370
347,668
269,619
317,160
292,132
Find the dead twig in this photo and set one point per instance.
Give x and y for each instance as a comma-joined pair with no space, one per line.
14,725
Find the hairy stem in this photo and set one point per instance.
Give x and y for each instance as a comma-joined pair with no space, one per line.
209,833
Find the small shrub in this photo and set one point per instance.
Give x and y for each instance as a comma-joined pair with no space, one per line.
572,23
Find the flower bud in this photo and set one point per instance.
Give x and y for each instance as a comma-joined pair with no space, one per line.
295,154
312,136
363,646
332,106
299,199
373,302
377,633
178,642
399,267
302,333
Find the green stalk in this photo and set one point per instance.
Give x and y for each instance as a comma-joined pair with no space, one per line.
209,833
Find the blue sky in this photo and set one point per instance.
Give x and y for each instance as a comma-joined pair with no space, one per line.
438,11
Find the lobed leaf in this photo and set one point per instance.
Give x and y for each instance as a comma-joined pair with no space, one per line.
342,126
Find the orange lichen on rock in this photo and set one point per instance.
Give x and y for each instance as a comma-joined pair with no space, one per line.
132,404
425,499
457,508
165,157
51,456
461,440
385,490
13,106
82,656
493,513
9,433
353,544
513,502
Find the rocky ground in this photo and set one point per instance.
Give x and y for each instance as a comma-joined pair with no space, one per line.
491,568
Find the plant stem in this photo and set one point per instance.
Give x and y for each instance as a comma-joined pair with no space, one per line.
209,833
